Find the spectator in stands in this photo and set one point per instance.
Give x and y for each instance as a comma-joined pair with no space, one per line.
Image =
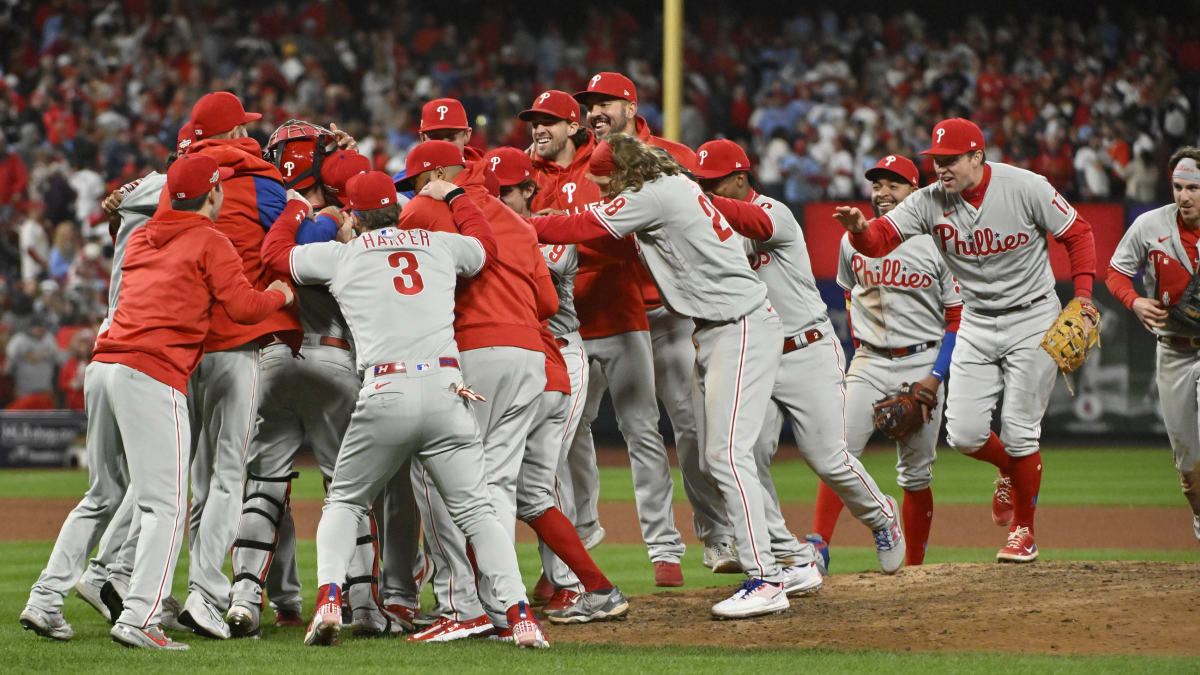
14,178
32,360
1141,179
1091,166
34,244
70,377
62,252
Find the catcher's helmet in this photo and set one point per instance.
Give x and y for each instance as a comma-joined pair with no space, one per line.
297,148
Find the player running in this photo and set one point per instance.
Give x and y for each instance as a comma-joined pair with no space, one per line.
989,221
1162,242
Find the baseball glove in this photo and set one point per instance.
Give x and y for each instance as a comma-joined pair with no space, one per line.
1187,309
1073,334
900,415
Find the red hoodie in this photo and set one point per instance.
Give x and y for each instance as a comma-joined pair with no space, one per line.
504,305
254,197
177,268
608,297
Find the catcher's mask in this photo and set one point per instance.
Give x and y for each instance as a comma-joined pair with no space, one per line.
297,148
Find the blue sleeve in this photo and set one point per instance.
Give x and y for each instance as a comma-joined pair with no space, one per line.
271,198
312,231
942,365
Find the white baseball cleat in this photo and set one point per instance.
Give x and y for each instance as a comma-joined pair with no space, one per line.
889,542
753,598
199,615
593,539
46,624
802,579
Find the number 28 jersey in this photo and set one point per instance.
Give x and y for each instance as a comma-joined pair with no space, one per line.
395,288
696,260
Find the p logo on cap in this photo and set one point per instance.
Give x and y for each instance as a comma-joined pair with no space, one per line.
720,158
955,136
510,166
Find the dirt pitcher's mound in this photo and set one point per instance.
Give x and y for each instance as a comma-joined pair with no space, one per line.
1045,607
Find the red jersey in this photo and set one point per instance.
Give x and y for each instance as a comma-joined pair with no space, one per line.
254,197
177,267
557,378
506,304
608,295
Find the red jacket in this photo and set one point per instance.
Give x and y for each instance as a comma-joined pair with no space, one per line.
13,178
254,198
506,304
608,296
557,378
177,267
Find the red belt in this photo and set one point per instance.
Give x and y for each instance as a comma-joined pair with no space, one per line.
1180,341
899,351
417,366
334,342
810,336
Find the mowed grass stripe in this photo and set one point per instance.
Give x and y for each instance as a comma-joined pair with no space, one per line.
280,650
1073,476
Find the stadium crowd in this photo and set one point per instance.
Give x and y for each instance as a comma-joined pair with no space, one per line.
93,92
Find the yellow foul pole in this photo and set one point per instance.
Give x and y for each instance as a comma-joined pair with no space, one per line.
672,75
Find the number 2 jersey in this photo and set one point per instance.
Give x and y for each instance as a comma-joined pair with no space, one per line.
395,287
696,259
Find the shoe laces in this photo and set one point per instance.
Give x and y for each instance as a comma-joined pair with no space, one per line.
884,540
1004,490
1015,537
750,586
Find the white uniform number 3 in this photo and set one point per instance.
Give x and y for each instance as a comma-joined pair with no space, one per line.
410,281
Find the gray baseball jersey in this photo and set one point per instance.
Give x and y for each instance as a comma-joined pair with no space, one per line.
136,208
898,300
998,251
1153,234
563,261
695,272
783,265
420,265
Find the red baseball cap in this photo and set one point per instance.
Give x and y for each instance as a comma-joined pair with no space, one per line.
428,156
370,190
191,176
717,159
608,85
337,168
443,113
185,137
219,112
554,102
510,165
601,162
954,137
897,165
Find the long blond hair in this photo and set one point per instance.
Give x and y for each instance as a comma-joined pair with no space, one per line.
637,164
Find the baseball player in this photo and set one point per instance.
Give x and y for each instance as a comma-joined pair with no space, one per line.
223,394
810,386
1162,243
904,312
613,323
611,102
445,119
396,289
175,269
580,591
306,400
128,208
702,272
498,328
989,221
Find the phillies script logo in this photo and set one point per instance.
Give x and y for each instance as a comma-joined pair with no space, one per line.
890,273
980,242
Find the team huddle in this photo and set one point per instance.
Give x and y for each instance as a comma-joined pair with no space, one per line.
441,341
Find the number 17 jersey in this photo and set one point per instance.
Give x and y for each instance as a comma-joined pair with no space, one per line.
395,288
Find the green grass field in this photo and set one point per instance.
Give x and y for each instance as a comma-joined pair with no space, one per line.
1077,477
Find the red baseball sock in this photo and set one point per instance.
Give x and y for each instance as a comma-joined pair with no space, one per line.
993,453
917,514
825,515
559,534
1026,473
